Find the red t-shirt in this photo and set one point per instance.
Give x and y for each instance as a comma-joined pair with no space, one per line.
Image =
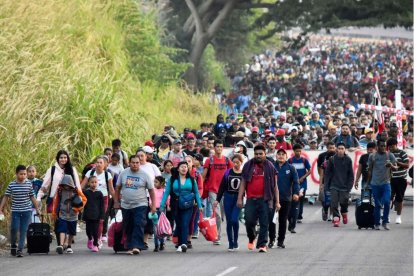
216,173
198,179
255,188
284,145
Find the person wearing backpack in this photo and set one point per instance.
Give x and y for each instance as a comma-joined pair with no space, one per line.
214,169
176,155
303,168
52,180
105,185
379,175
339,180
183,191
116,148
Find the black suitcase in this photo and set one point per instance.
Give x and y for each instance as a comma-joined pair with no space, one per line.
364,212
38,238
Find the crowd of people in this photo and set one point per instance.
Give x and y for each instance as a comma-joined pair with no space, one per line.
294,100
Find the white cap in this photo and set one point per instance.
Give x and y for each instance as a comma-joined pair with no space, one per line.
286,125
147,149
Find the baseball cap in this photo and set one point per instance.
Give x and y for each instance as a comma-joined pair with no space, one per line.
165,139
176,141
368,130
149,143
280,132
147,149
255,129
190,136
280,150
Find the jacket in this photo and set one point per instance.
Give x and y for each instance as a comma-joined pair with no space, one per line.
58,203
339,174
287,181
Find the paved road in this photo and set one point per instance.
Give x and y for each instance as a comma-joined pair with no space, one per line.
317,249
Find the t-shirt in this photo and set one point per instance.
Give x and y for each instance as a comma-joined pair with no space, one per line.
302,166
363,161
133,188
255,188
175,157
150,169
101,180
37,184
230,184
401,156
116,169
216,172
380,173
124,156
20,194
283,145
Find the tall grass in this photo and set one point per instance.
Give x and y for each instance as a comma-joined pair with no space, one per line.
73,76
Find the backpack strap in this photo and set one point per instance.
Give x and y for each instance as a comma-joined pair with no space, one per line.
107,180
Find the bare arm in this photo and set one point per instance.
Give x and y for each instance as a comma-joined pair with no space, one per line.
3,202
241,193
117,196
111,187
358,176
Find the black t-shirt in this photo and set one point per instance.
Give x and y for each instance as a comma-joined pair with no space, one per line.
363,161
230,184
191,152
323,158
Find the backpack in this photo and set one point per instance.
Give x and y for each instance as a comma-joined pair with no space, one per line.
211,165
106,178
302,158
169,153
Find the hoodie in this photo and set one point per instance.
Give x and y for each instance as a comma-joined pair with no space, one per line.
339,174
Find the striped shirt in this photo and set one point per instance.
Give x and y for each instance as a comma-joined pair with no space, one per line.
400,156
20,194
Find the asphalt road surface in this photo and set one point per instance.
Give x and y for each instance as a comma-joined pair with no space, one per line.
316,249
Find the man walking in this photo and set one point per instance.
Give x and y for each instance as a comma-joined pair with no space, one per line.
259,178
322,164
339,181
288,185
132,185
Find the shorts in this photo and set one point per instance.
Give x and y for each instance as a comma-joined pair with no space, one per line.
398,187
67,227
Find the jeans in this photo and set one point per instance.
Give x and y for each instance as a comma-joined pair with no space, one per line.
212,197
157,241
208,209
232,219
182,224
382,196
101,222
301,201
133,221
342,198
20,222
283,217
293,214
257,209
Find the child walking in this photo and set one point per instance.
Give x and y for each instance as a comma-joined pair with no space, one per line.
22,195
37,184
66,210
159,184
93,212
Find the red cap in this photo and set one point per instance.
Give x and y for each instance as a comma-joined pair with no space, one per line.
190,135
280,132
267,131
149,143
255,129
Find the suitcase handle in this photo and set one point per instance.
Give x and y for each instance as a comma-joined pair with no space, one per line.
41,217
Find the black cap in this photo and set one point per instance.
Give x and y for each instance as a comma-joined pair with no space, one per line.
164,139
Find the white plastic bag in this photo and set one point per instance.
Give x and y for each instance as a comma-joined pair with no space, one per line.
275,217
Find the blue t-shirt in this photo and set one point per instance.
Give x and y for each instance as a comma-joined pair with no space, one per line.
302,166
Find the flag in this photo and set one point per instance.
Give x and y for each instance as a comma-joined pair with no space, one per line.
378,113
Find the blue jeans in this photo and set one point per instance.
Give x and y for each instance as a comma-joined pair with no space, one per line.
232,218
157,241
257,209
182,225
382,196
20,222
208,209
133,221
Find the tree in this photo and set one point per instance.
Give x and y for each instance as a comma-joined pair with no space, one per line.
198,22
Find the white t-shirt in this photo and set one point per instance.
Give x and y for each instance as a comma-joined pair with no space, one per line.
116,169
101,181
150,169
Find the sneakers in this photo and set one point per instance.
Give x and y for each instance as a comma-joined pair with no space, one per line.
376,227
230,249
184,248
280,245
195,235
345,218
217,242
271,244
385,226
59,250
19,254
292,231
95,249
336,222
179,250
250,245
330,217
136,251
263,249
90,244
189,245
156,249
69,250
299,221
162,247
398,219
104,238
324,215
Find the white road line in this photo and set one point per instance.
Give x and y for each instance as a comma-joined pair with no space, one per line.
227,271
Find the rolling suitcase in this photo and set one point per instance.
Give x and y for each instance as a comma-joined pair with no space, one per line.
38,237
116,236
364,212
